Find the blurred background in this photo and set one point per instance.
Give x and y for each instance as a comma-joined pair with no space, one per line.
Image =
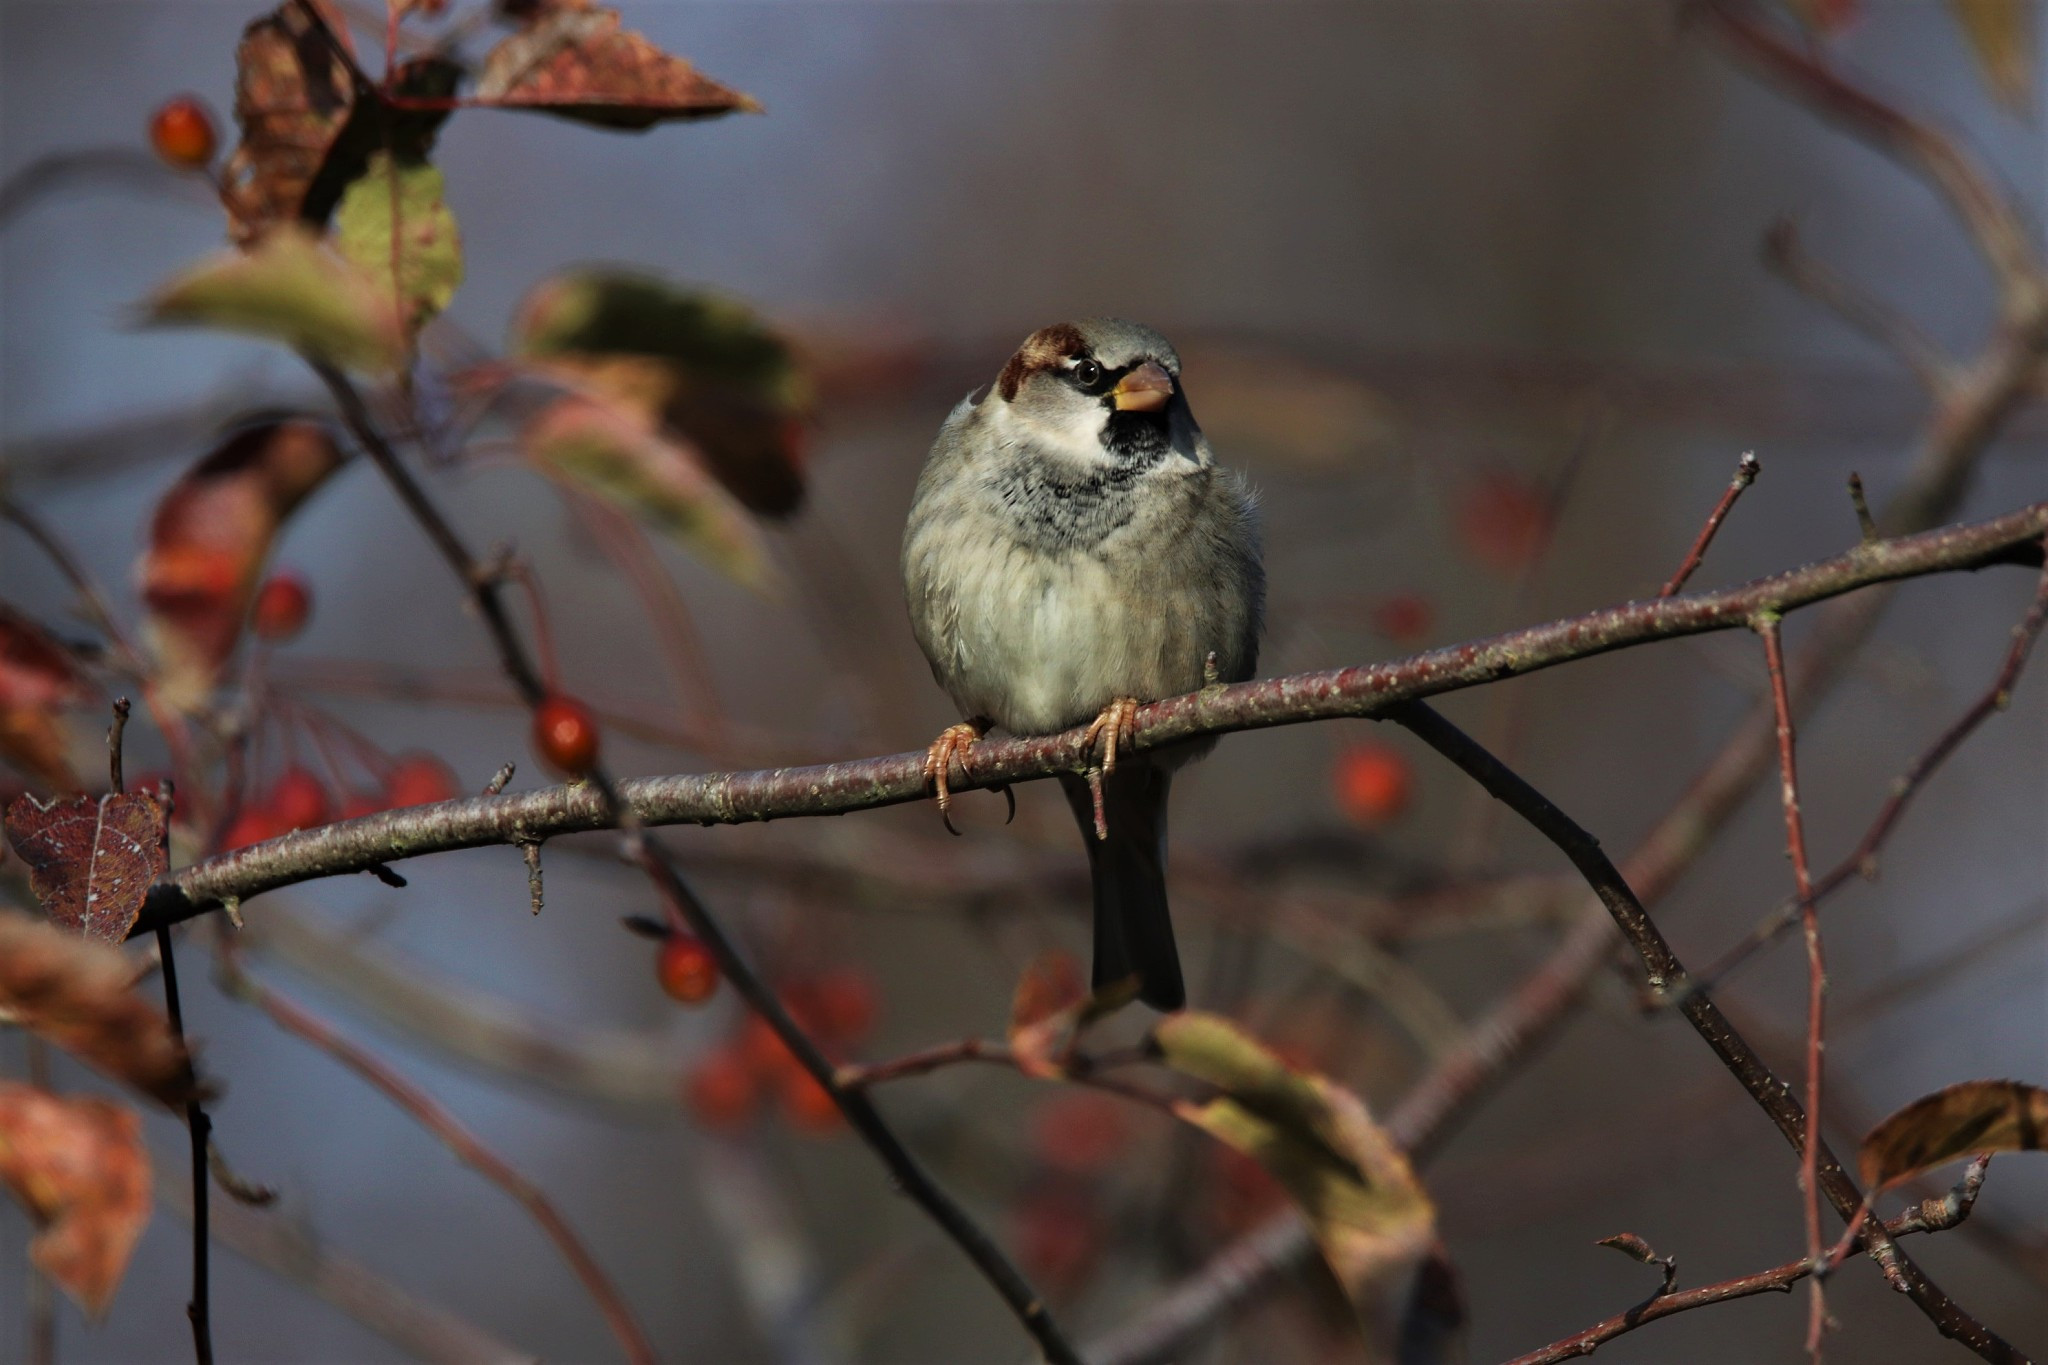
1473,293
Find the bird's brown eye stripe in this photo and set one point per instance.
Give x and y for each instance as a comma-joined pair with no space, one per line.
1042,350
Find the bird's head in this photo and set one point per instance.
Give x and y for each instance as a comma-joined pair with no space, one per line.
1099,392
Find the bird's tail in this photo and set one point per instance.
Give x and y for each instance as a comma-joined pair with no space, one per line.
1133,928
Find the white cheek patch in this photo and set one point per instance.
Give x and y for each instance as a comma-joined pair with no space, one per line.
1074,434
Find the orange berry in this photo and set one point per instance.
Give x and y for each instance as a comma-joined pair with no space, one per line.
763,1049
565,735
1403,618
840,1004
722,1090
686,969
1372,783
808,1105
418,779
1079,1131
282,605
182,133
1503,520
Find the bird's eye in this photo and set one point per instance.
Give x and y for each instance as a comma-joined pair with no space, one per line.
1087,373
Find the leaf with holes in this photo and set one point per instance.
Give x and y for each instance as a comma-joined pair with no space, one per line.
208,541
571,59
704,368
91,858
393,224
1363,1202
2001,32
79,1167
290,288
609,449
1952,1123
78,994
37,678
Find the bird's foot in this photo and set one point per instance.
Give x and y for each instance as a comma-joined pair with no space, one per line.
949,748
1118,722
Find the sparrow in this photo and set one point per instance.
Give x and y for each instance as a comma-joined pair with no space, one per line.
1073,550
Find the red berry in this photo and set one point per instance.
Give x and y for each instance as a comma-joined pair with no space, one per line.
282,605
686,969
182,133
763,1049
250,827
298,800
808,1105
1504,522
722,1090
1079,1131
1059,1235
1372,783
356,805
565,735
1403,618
418,779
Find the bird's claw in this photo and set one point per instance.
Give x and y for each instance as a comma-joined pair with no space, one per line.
1118,722
949,748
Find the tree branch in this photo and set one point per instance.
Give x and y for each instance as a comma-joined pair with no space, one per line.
831,789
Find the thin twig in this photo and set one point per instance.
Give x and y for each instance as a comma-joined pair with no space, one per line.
1935,1215
1666,973
117,777
1746,470
829,789
1889,328
1865,523
1816,970
449,1130
1862,860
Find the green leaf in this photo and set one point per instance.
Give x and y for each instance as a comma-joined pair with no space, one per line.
2002,34
289,288
701,367
1369,1213
393,224
609,449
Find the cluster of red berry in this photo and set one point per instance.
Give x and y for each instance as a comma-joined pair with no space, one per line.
733,1082
298,799
1061,1223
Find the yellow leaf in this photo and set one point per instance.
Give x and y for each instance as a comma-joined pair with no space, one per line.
2002,34
1958,1121
289,288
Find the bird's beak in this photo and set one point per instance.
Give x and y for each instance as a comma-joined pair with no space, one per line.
1144,389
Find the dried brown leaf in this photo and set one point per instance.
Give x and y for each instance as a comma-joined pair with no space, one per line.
37,678
91,858
293,95
209,538
1043,1011
572,60
77,993
79,1167
1952,1123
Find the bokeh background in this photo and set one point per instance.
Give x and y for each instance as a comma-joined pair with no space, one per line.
1418,253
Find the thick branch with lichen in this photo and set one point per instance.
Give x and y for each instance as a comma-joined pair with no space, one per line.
837,788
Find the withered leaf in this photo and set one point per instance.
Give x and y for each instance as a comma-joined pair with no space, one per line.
2001,32
209,538
1368,1211
37,678
77,993
1952,1123
608,448
393,223
78,1165
91,858
571,59
1044,1010
311,120
702,367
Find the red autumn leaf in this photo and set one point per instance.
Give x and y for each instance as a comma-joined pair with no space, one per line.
37,677
208,541
80,1169
571,59
78,994
1050,1007
91,858
1954,1122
